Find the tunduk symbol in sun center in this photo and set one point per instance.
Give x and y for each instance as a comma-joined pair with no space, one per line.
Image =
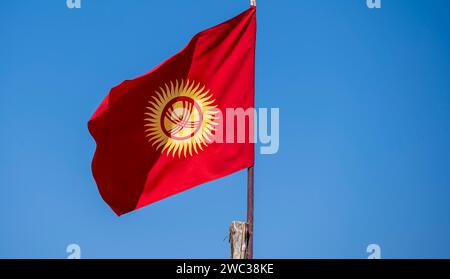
180,120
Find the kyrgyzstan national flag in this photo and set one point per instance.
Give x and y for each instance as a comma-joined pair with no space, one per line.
155,133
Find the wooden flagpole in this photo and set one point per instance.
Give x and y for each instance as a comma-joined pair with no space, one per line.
250,198
241,234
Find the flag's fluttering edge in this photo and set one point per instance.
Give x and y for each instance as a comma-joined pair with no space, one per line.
157,134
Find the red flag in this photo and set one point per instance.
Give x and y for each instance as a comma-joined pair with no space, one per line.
155,133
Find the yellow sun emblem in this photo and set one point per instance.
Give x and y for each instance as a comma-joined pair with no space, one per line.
181,118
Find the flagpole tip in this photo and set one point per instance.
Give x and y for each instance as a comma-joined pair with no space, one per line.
253,3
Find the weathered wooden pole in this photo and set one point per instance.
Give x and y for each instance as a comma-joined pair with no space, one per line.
241,233
238,240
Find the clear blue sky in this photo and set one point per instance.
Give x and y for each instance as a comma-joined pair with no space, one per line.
364,98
